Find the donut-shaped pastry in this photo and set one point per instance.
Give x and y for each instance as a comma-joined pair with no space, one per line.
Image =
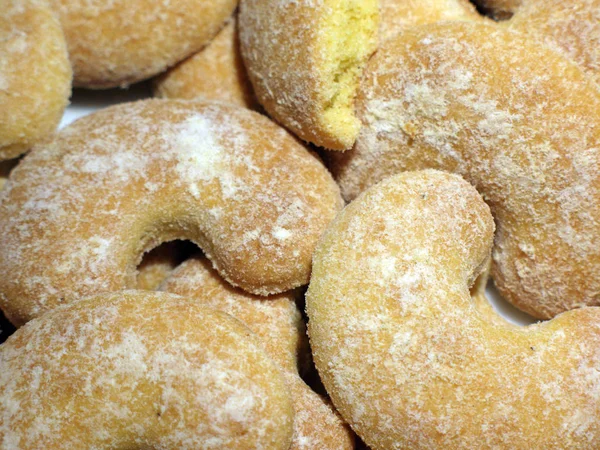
140,370
216,72
79,213
305,59
396,14
35,75
406,357
475,100
119,42
278,323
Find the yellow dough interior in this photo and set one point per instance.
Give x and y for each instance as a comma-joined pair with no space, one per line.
349,37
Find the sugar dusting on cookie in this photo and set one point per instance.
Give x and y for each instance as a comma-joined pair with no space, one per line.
408,359
475,100
129,177
158,379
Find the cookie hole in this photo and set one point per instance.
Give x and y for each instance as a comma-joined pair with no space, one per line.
159,262
497,14
6,168
6,328
498,309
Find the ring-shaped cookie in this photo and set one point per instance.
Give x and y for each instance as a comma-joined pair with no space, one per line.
119,42
35,75
403,351
278,323
474,99
305,59
140,370
78,213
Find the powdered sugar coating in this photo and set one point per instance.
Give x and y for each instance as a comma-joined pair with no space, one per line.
481,101
139,369
119,42
316,423
216,72
278,323
396,14
404,353
79,213
35,75
275,320
571,28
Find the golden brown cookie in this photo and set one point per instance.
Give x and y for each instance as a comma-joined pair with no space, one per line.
305,59
80,212
35,75
406,356
140,370
278,323
476,100
119,42
216,72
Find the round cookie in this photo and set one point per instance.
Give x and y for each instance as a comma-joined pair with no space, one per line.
35,75
475,100
216,72
396,14
119,42
404,353
128,178
278,323
140,370
305,59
